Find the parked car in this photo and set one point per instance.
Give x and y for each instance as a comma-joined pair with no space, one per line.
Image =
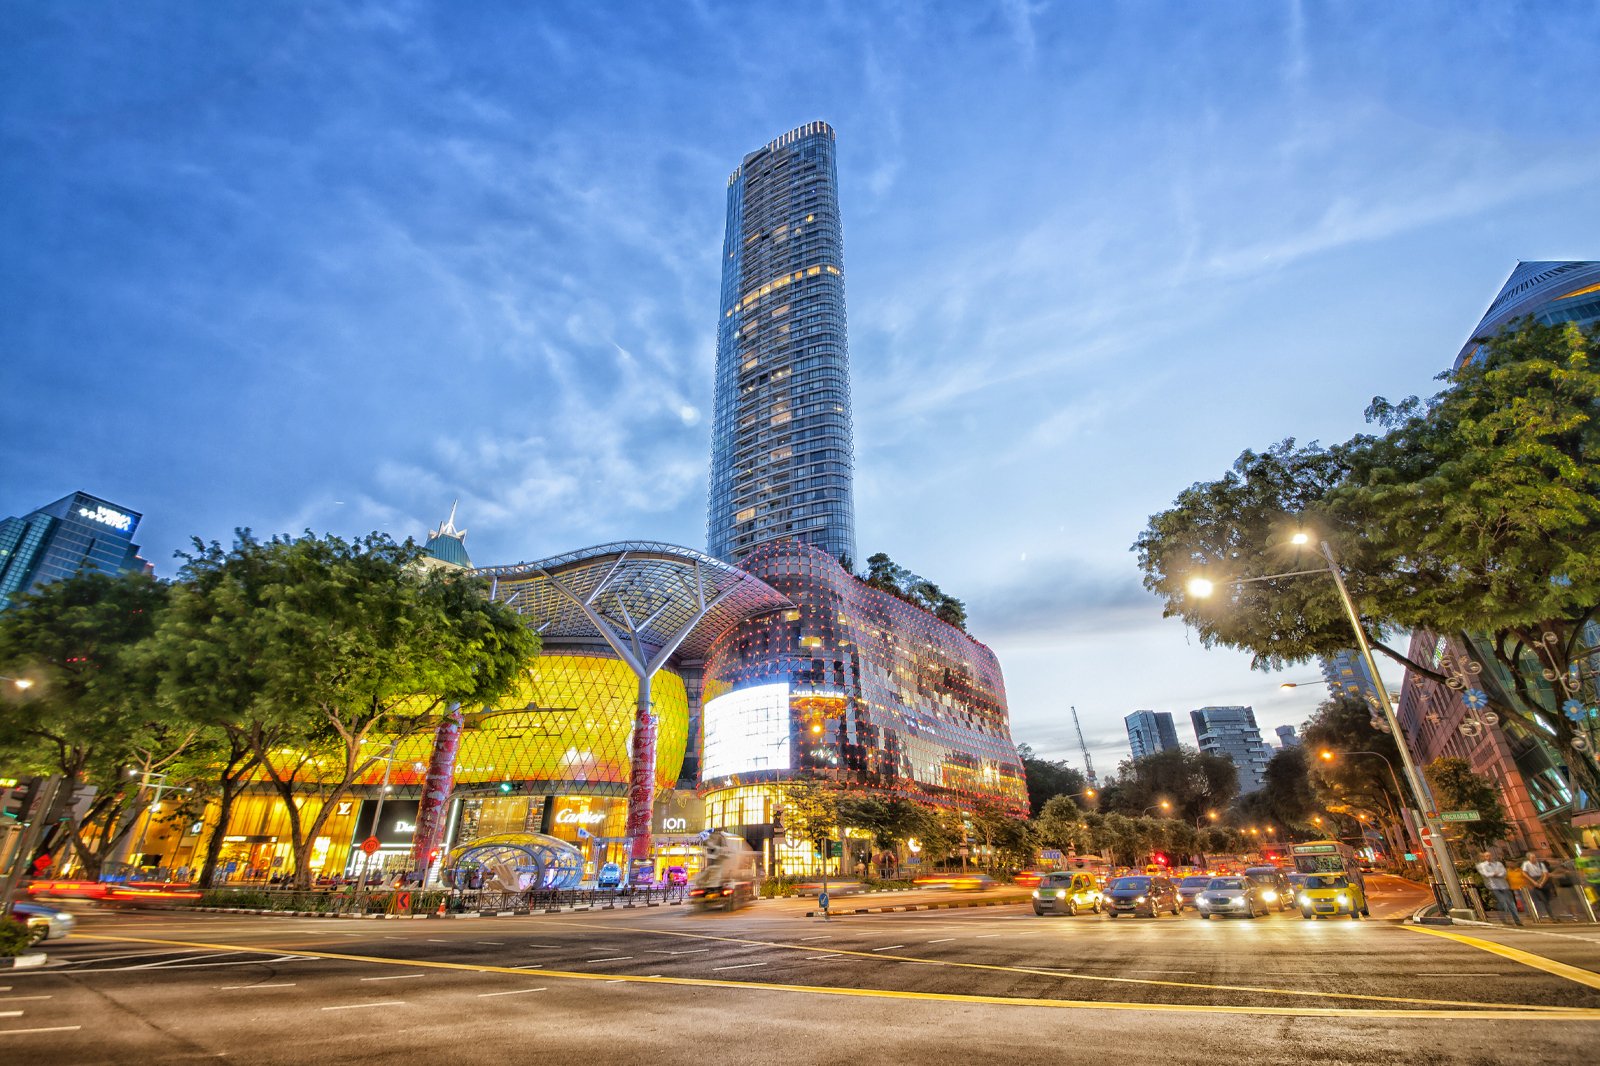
44,923
1141,895
610,876
1191,887
677,875
1066,893
1275,888
1232,895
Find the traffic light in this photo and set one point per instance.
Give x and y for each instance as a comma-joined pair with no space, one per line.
79,800
505,786
17,797
777,821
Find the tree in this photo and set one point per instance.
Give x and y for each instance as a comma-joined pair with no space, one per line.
811,813
89,714
889,822
1472,513
1191,782
1047,778
1458,788
1060,825
940,831
324,645
1285,797
885,575
1342,728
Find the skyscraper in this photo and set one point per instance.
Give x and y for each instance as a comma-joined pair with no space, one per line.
1551,292
1150,732
781,447
1347,675
1232,731
77,532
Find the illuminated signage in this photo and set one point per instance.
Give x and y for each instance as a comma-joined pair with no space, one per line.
570,817
746,731
107,517
674,825
403,826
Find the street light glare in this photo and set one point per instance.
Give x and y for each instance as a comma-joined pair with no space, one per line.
1301,537
1199,586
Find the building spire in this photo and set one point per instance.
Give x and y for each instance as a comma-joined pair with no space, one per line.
448,528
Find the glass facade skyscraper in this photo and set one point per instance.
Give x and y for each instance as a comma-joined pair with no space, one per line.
782,455
77,532
1232,731
1552,292
1150,732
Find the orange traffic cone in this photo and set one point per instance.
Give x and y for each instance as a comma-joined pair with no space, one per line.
440,911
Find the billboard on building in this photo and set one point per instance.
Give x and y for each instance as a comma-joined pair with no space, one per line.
746,731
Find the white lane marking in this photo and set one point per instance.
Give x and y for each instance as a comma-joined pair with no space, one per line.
5,988
989,936
513,992
816,958
889,947
1508,973
114,958
230,988
394,938
614,958
741,966
615,981
374,1003
1163,971
828,936
496,943
46,1029
394,977
10,1014
184,959
19,999
431,940
942,940
686,951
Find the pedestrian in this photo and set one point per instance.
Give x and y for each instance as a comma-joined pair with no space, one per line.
1493,872
1541,884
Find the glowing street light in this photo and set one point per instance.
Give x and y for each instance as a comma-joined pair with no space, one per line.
21,682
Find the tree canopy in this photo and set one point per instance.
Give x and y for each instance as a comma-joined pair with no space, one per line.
1472,512
1047,778
1190,782
885,575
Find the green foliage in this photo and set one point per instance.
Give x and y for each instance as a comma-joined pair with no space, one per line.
1286,797
811,813
1047,778
1342,726
885,575
1457,788
1472,512
15,938
1191,782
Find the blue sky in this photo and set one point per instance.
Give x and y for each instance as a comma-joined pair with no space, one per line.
334,266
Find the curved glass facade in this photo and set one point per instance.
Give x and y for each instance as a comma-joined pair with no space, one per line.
855,687
781,447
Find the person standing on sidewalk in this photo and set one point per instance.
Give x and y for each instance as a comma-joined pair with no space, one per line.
1541,883
1493,872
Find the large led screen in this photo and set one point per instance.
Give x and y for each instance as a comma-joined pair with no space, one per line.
746,731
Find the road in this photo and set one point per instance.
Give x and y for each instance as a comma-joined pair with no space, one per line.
769,984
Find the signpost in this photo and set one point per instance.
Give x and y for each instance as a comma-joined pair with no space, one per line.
1460,816
370,845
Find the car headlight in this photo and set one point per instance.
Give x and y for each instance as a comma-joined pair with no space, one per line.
1061,893
1343,898
1270,896
1036,893
1304,899
1139,899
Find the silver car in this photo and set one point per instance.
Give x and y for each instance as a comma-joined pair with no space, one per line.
44,923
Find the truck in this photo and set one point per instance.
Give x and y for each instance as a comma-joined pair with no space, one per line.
727,881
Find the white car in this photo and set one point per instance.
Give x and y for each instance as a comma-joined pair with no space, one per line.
44,923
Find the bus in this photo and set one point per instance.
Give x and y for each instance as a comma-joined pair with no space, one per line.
1327,857
1322,857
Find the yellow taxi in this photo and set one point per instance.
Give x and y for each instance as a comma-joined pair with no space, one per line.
1067,893
1328,895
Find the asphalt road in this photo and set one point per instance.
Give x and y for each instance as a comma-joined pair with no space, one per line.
989,984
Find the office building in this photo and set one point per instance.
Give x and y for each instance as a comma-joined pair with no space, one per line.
1232,731
782,452
1347,675
76,532
1286,737
1551,292
1150,732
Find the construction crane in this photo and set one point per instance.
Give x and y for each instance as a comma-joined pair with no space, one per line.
1088,764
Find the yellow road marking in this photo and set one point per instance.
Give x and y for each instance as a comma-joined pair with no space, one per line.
1287,992
1520,1012
1587,978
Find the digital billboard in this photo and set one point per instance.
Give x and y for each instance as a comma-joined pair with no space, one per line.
746,731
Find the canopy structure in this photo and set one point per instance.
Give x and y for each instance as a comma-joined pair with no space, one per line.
648,602
516,862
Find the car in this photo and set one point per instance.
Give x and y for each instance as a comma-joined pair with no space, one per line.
1067,893
44,923
1190,887
1141,895
1331,894
610,876
1232,895
1275,890
677,875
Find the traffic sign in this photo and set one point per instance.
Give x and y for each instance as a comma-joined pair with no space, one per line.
370,845
1460,816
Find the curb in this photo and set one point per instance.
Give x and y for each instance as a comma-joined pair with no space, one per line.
29,961
918,907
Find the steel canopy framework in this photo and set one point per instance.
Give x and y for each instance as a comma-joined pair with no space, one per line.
649,602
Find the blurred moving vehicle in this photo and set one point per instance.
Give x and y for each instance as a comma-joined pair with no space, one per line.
1141,895
1330,895
131,893
610,876
676,876
954,881
1275,890
44,923
1232,895
728,879
1190,888
1067,893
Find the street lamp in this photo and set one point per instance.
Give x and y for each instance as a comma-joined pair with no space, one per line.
1164,805
377,815
21,682
145,777
1200,821
1419,786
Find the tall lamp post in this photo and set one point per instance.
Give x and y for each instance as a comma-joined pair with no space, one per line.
377,815
1439,844
145,778
21,682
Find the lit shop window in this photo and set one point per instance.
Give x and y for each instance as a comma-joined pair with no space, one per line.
745,515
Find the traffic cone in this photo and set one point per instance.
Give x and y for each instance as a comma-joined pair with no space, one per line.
440,912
